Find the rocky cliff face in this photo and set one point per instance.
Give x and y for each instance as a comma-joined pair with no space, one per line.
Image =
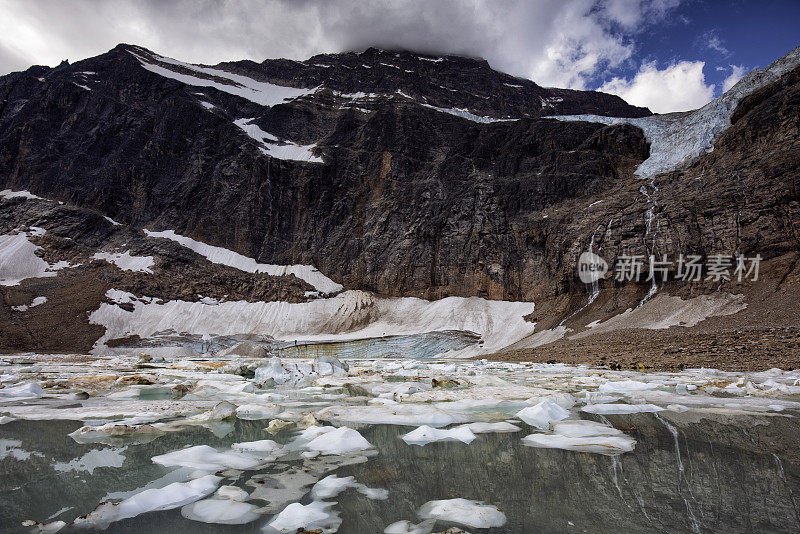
392,172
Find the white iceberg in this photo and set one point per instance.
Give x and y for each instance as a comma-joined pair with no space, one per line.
425,434
542,414
464,512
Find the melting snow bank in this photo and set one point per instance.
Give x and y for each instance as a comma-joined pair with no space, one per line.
223,256
664,311
677,139
18,259
351,315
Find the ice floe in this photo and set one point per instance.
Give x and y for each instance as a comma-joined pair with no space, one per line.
620,408
29,390
425,434
331,486
169,497
464,512
221,511
339,441
316,516
491,428
407,527
206,458
263,445
543,414
608,445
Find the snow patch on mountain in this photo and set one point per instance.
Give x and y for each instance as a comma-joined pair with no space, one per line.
677,139
466,114
223,256
271,146
127,262
263,93
18,259
8,193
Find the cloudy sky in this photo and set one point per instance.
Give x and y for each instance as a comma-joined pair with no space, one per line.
668,55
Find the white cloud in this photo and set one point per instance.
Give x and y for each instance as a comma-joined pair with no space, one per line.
713,42
564,43
679,87
737,72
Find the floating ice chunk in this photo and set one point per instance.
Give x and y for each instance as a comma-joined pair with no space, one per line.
223,410
563,399
542,414
394,414
126,262
582,428
425,434
620,408
47,528
169,497
257,411
264,445
231,492
489,428
464,512
92,460
608,445
332,485
206,458
6,419
29,390
407,527
223,256
102,433
314,516
626,386
274,370
221,511
680,408
339,441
